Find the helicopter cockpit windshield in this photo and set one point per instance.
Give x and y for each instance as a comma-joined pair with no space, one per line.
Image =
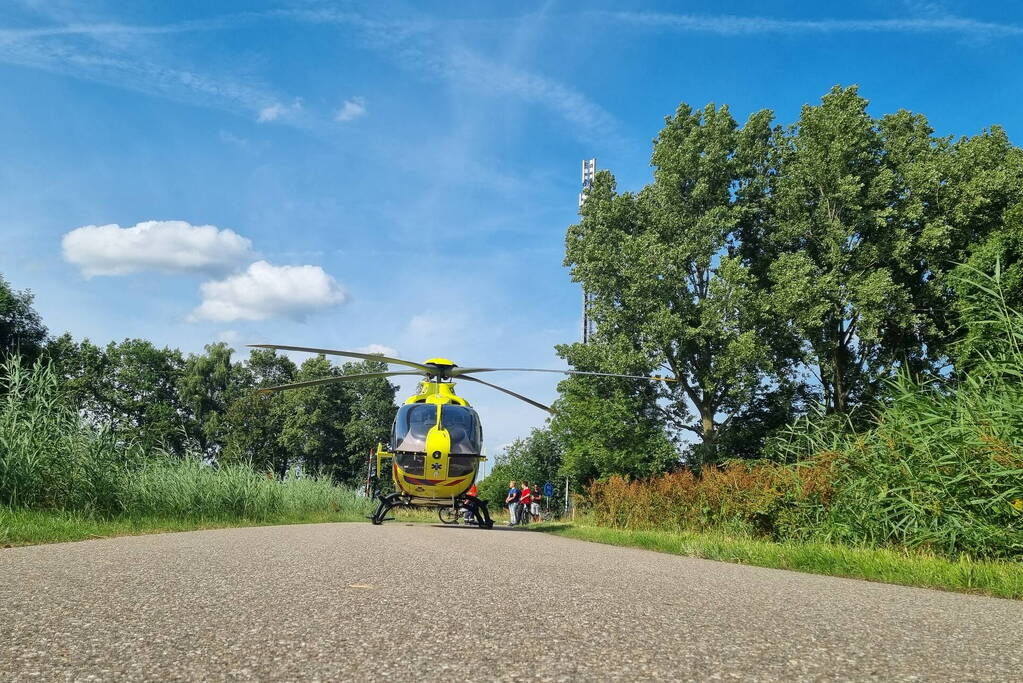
413,423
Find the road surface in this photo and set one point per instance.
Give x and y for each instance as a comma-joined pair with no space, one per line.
358,602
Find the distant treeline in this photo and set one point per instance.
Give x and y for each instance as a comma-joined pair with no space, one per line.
206,405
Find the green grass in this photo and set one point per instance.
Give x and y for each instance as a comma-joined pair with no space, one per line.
20,526
908,568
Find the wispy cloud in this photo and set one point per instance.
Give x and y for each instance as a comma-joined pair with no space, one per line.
587,118
425,48
352,109
727,25
278,111
109,29
122,55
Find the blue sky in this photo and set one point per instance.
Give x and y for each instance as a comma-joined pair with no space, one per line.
401,174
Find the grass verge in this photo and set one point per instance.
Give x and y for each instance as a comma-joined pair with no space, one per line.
1001,579
29,527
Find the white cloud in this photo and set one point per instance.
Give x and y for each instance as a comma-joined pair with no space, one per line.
352,109
230,337
267,291
379,348
277,110
172,246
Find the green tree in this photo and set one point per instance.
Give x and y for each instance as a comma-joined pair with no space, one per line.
254,422
21,329
835,248
869,218
1001,254
129,387
607,425
315,418
209,383
372,410
669,283
535,459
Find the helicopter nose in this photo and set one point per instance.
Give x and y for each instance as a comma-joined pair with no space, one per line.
438,444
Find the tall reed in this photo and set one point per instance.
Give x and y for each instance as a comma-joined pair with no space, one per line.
51,458
48,457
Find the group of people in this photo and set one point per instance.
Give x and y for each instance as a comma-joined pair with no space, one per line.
523,503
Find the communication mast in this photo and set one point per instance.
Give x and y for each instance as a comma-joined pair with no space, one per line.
589,171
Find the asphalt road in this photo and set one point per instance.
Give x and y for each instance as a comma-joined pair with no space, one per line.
357,602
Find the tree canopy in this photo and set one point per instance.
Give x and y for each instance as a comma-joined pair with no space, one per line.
771,268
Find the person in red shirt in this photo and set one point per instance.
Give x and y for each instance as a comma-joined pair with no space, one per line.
525,500
470,505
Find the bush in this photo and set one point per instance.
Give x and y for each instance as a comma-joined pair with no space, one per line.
759,498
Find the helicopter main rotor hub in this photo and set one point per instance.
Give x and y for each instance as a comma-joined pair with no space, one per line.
440,367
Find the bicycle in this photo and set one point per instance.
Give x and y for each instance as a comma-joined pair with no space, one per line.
459,513
449,514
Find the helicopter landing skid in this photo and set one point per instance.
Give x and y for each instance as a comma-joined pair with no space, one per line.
386,503
393,500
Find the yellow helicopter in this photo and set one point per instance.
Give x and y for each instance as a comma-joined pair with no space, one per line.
436,441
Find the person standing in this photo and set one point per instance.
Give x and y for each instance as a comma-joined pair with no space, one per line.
537,497
512,501
525,501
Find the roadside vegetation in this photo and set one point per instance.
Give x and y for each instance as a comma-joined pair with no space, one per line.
996,578
837,302
62,478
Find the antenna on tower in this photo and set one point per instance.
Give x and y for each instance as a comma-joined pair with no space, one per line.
589,171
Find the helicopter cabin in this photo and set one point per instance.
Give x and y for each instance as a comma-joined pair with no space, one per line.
436,463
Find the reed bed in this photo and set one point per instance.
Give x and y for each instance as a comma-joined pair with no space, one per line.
52,458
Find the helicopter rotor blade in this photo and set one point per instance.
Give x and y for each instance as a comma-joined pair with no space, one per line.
349,354
461,372
331,380
510,393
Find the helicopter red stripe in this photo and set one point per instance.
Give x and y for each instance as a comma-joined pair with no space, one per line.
434,482
424,482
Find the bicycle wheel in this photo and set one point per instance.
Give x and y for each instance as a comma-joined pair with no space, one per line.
448,515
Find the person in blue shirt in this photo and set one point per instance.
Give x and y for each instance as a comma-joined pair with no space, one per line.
512,501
